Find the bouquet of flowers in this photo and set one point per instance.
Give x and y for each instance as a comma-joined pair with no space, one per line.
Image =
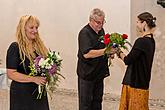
48,67
114,40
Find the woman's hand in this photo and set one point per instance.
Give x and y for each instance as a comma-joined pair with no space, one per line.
112,56
113,50
39,80
112,53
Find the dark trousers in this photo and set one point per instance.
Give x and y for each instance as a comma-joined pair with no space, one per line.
90,94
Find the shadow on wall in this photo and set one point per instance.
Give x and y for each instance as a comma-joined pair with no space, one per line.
0,61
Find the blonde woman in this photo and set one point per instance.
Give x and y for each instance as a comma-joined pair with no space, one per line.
28,45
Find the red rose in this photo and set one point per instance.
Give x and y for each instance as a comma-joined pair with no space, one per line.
106,41
124,36
106,36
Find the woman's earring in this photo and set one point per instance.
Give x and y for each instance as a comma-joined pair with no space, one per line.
144,29
144,26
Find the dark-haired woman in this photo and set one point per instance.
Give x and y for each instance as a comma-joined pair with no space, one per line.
135,90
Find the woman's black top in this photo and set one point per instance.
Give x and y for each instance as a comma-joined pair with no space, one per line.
23,95
139,61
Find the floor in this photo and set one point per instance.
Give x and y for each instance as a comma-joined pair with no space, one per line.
67,100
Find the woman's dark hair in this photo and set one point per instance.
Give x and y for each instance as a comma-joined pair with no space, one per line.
150,20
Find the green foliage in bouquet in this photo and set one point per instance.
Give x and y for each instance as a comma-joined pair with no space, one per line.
114,40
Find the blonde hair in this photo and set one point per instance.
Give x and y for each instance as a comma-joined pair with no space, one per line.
22,39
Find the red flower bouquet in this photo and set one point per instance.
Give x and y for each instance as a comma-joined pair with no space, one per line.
114,40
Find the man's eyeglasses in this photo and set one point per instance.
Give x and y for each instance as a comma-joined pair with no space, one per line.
99,22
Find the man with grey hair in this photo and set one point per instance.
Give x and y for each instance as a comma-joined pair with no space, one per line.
92,66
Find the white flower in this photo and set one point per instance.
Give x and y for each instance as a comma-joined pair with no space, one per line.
46,61
41,62
48,66
58,56
51,62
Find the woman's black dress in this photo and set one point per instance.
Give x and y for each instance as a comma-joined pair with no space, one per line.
23,95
